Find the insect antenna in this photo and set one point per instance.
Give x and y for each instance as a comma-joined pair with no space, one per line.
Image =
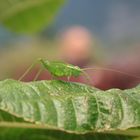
112,70
28,70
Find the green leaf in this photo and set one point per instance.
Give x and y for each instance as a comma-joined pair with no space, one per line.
38,134
69,110
28,16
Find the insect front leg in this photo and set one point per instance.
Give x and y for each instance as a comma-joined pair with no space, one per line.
38,74
28,70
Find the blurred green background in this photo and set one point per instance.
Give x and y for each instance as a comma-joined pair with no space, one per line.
30,29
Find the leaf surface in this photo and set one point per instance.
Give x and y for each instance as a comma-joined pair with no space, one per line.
71,106
67,107
28,16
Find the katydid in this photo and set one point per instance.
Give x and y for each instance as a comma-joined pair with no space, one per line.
57,69
60,69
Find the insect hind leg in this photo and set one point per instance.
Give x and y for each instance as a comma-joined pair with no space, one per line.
87,77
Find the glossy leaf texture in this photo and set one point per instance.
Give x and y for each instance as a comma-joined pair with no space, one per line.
28,16
64,110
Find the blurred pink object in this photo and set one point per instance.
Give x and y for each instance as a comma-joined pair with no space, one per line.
76,45
76,48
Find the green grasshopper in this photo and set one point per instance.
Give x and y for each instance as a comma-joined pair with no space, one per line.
57,69
61,69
